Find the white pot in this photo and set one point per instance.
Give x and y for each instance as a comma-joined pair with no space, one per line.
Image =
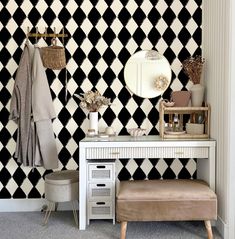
197,95
93,121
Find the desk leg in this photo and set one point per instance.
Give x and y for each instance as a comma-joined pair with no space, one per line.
82,189
206,168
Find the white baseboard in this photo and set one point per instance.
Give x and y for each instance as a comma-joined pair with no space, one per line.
29,205
222,227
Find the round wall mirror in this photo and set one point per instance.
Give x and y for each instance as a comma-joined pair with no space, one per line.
147,74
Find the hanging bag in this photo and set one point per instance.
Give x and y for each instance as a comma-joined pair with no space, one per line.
53,57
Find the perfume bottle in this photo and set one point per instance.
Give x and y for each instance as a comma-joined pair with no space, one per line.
176,123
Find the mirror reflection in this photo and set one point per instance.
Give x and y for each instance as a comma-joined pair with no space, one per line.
147,74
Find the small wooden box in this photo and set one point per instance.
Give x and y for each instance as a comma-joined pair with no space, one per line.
185,115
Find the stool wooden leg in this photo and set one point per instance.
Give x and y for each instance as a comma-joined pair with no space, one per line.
75,213
209,229
123,230
48,213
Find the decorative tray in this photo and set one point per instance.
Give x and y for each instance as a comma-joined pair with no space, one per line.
175,132
104,135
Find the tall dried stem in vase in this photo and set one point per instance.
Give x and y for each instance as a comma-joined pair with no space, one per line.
193,68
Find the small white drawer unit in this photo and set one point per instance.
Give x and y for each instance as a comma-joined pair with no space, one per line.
101,190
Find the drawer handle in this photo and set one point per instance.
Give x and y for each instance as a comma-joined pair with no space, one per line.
100,185
179,153
115,153
100,166
100,203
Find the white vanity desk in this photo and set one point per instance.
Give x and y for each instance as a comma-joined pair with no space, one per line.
142,147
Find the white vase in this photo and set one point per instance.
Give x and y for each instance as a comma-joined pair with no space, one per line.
197,95
93,121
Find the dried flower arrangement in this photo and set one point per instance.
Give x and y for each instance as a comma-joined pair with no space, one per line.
92,101
193,68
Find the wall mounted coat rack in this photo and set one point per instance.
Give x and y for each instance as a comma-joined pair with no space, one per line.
45,34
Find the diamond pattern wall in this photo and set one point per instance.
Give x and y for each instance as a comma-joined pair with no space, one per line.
102,36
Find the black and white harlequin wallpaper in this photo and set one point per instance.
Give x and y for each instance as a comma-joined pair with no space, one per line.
103,34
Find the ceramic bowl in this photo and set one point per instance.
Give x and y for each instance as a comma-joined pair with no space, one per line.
136,132
168,103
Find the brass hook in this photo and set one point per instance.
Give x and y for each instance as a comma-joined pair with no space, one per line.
63,36
27,38
36,37
45,37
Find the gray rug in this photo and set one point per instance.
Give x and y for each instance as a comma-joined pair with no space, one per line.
61,225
